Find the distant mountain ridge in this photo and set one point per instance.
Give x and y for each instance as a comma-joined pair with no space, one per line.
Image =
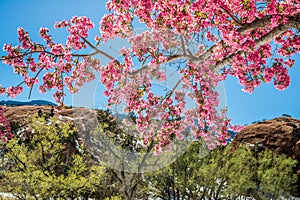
29,103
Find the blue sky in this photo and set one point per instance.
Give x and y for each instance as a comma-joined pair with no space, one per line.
266,102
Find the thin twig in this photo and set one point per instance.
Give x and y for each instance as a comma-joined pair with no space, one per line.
142,68
172,91
25,54
35,77
232,16
187,49
150,147
182,45
20,84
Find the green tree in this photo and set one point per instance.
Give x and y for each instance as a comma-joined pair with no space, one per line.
48,163
241,172
275,173
225,174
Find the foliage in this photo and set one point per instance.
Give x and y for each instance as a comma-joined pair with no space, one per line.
225,174
286,115
113,198
6,198
48,164
275,174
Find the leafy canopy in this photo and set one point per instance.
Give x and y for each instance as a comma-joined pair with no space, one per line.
47,163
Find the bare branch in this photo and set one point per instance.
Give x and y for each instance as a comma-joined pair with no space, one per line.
170,59
35,77
85,55
178,57
21,83
97,50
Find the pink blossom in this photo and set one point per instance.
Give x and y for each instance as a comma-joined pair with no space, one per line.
14,91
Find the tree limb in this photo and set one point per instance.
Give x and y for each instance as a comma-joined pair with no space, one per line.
182,45
246,27
263,40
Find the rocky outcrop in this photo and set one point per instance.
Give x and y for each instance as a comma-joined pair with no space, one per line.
280,134
84,119
21,114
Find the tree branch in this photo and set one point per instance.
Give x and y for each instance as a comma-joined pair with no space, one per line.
25,54
47,52
182,45
255,24
97,50
246,27
263,40
170,59
30,91
178,57
150,147
293,23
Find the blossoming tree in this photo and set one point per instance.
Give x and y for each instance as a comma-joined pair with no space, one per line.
252,40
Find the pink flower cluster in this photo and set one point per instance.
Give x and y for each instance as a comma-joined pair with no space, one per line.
148,41
24,39
54,60
78,28
206,121
14,91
